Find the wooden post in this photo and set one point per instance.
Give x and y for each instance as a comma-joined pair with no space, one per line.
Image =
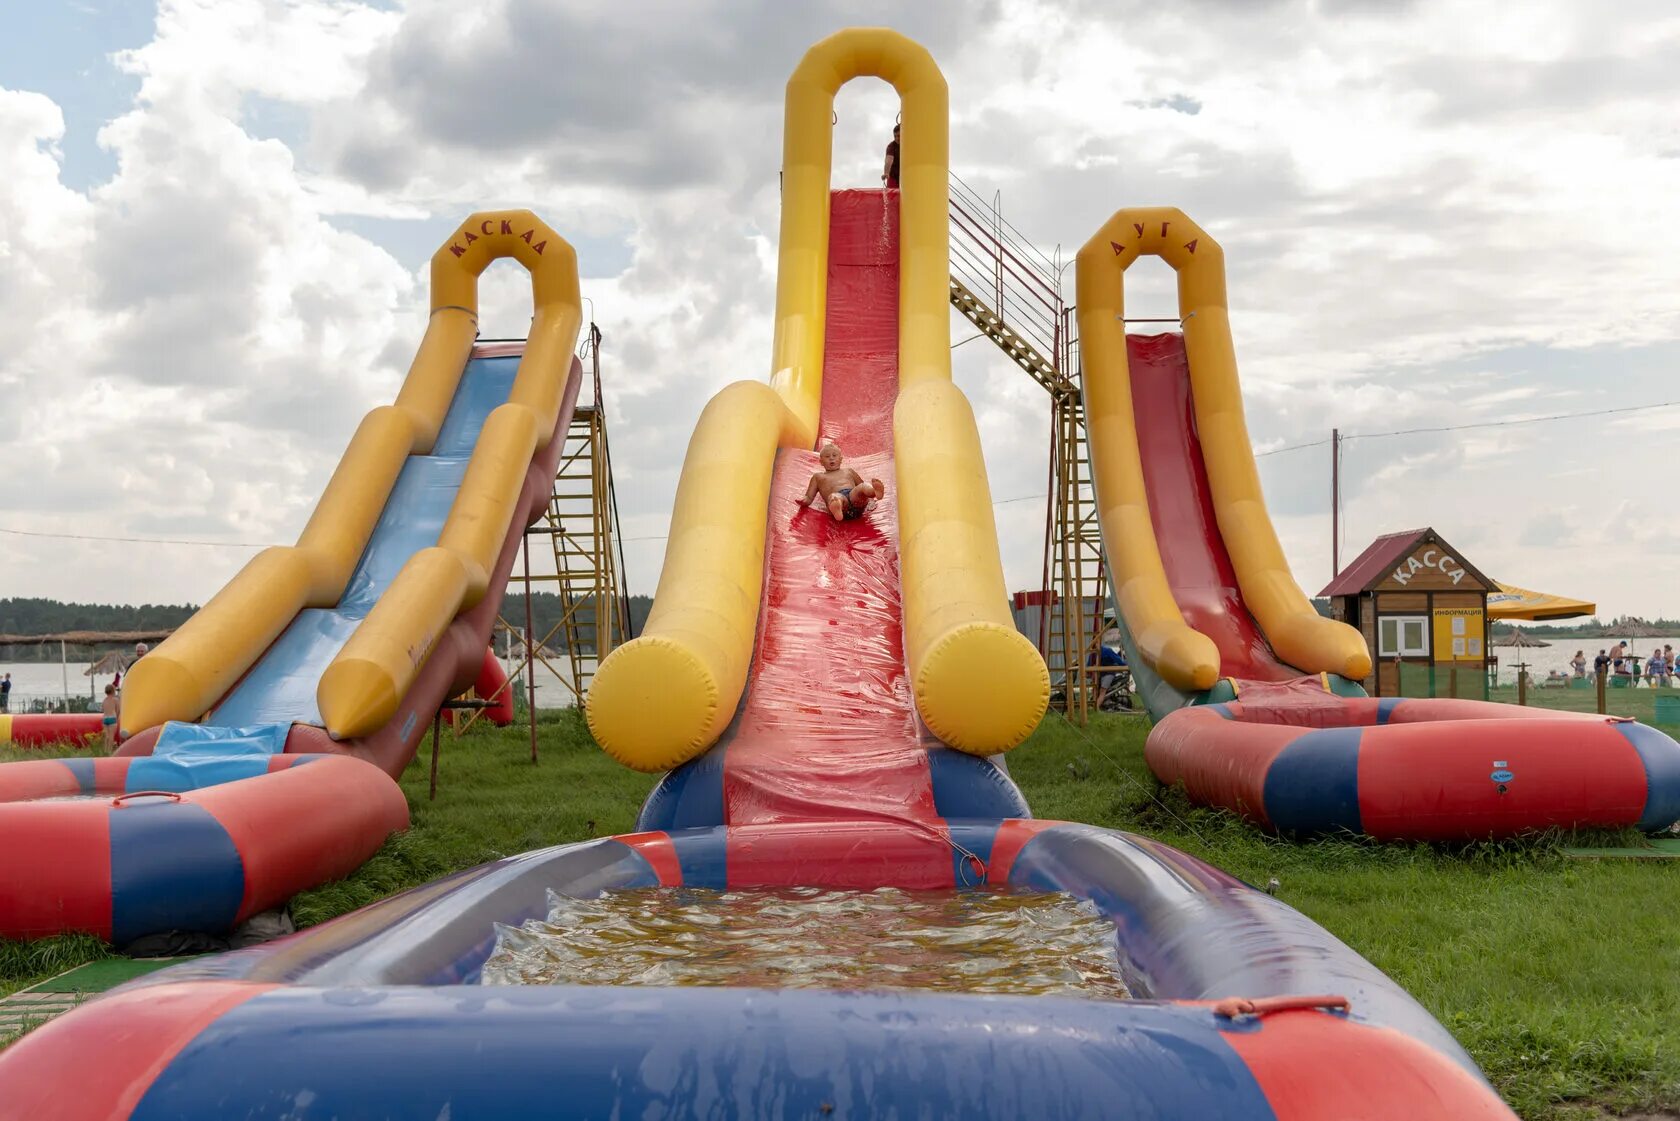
437,726
530,649
1335,503
1522,685
1601,677
1452,682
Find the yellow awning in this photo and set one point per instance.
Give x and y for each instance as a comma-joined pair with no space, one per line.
1511,602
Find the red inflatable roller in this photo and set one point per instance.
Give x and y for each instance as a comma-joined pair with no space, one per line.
492,685
38,729
139,846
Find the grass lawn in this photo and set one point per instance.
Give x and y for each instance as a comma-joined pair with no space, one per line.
1640,704
1561,977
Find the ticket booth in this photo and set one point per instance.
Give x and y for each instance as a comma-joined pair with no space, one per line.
1423,611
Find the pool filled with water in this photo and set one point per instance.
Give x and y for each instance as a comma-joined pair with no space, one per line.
975,942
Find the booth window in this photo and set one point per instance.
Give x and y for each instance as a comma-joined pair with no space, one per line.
1403,636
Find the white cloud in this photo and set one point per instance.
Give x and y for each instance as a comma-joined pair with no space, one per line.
1433,213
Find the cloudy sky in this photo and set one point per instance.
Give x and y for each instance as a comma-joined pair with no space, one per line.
214,217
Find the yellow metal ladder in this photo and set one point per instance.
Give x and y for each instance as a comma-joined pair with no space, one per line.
1012,293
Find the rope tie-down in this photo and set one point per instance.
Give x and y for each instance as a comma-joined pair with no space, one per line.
1233,1007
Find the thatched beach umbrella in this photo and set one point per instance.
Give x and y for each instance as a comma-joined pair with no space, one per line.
1522,642
113,663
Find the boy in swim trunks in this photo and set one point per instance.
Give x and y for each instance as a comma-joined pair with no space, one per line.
843,490
108,717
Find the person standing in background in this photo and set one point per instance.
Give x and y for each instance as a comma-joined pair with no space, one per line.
108,717
889,172
6,693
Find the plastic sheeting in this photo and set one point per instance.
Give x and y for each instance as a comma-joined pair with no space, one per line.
828,728
190,756
1198,568
280,688
860,362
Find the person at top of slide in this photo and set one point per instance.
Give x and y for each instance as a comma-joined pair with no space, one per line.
843,490
889,172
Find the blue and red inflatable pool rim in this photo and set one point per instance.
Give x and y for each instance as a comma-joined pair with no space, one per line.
325,1009
1428,769
200,846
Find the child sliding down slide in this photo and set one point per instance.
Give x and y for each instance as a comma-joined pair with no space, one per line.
843,490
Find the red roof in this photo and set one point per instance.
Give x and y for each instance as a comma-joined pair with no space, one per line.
1368,567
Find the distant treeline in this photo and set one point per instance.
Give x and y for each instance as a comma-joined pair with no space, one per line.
49,616
545,613
1627,626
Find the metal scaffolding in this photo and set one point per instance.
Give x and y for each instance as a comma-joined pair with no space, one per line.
1012,292
574,551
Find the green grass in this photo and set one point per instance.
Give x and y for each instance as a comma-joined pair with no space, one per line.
1560,976
492,802
1640,704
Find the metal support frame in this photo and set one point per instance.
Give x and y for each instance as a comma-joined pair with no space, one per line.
1012,292
575,550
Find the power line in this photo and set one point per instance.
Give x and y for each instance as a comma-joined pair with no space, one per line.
1294,448
1513,422
136,540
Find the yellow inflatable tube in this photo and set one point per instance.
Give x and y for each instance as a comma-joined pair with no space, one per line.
363,685
979,684
1183,657
665,697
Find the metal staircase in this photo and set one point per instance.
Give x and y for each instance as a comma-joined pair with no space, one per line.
1012,293
581,526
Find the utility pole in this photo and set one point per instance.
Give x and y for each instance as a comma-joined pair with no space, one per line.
1335,503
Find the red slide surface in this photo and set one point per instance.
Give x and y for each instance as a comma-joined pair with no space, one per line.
1198,568
828,730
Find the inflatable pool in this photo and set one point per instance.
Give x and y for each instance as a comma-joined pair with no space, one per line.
1247,1009
1424,770
195,842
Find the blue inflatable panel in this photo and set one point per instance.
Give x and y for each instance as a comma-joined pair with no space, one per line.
967,785
1313,784
484,388
1662,774
280,688
412,520
173,867
569,1051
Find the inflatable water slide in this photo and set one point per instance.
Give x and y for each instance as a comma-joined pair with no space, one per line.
265,734
829,699
1255,696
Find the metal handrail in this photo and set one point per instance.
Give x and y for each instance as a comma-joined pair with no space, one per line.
994,260
967,193
1026,271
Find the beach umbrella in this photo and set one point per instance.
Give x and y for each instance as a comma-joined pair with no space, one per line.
1511,602
1522,642
114,662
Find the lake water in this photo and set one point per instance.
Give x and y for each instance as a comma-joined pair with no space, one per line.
1556,656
